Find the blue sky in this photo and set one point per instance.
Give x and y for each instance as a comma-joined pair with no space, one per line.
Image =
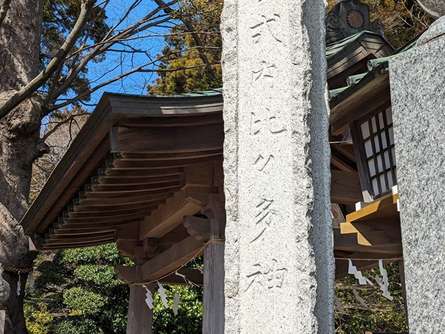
136,83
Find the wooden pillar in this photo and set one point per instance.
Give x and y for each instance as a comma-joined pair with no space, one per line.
213,320
140,317
2,321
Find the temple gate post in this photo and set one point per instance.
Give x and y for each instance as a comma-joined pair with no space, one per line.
140,317
279,266
213,317
417,79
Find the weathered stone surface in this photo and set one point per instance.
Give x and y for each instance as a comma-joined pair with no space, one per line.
418,99
278,255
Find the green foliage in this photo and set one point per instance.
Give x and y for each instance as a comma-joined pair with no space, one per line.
38,319
105,254
79,289
103,276
363,308
84,326
82,302
189,318
76,291
182,67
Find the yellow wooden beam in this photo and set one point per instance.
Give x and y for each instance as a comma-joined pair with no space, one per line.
376,224
381,208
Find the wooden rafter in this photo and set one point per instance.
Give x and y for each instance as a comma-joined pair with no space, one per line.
186,202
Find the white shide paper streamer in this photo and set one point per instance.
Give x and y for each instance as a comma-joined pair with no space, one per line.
148,298
383,281
162,295
352,270
176,301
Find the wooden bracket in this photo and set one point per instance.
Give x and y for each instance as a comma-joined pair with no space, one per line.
163,263
128,232
197,227
187,202
215,211
138,250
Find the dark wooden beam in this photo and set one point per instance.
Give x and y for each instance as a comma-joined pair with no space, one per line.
98,208
142,172
348,243
125,201
171,138
197,227
345,187
137,180
368,97
107,213
188,276
134,188
162,264
169,215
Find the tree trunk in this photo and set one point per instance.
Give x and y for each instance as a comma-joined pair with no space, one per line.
19,146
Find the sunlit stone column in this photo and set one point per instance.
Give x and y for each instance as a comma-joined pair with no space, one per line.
417,80
278,254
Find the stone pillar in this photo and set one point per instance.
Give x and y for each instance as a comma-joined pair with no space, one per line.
140,317
279,262
418,100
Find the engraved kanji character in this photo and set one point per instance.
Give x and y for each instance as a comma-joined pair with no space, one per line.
266,24
261,162
271,123
271,276
265,70
263,217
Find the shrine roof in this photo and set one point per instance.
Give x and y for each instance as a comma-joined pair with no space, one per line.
374,66
130,156
334,49
363,92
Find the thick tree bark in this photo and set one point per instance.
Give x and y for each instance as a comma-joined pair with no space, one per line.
19,146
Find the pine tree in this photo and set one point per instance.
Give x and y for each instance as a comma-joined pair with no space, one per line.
183,60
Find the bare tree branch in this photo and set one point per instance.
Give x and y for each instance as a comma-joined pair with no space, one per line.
53,65
150,20
57,125
140,69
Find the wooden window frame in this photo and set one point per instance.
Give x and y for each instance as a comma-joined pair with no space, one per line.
368,191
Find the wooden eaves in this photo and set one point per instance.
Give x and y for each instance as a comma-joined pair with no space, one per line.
371,93
130,159
132,154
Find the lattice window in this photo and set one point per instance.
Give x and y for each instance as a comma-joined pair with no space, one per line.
379,156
